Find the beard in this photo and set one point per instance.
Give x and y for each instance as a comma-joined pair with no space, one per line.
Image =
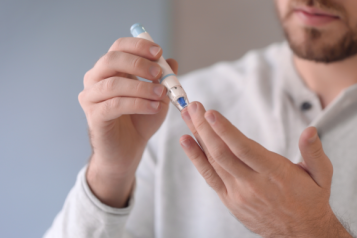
317,45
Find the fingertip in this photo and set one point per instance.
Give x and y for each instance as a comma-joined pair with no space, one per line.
159,74
185,115
194,107
309,136
186,141
155,51
155,105
164,94
313,138
210,117
185,137
200,105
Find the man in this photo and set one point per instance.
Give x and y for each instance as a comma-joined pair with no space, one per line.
235,186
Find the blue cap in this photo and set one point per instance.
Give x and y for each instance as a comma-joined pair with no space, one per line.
137,29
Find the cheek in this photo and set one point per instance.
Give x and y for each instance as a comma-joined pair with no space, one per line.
282,7
352,13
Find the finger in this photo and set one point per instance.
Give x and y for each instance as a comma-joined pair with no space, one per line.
227,178
118,106
315,160
215,146
123,87
173,64
248,151
115,62
199,160
138,46
186,117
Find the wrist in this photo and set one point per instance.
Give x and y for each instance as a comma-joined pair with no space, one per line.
334,228
110,186
118,162
328,226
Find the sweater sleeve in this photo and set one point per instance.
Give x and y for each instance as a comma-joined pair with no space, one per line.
83,215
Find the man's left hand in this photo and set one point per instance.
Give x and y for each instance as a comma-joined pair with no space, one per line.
269,194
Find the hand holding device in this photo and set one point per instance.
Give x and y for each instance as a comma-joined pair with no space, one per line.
122,114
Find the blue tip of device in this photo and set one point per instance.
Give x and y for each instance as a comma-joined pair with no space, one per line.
137,29
182,102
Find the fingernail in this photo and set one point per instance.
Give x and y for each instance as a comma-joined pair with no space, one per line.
185,115
210,117
186,143
158,90
192,108
155,105
312,139
154,50
155,70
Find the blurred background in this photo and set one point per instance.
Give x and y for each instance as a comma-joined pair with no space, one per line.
45,49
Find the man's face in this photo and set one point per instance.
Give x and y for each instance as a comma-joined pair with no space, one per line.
320,30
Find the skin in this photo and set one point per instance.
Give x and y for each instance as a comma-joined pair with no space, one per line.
269,194
122,114
258,186
326,80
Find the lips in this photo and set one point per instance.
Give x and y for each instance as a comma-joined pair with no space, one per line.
316,11
315,17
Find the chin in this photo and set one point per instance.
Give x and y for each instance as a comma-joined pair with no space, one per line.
321,45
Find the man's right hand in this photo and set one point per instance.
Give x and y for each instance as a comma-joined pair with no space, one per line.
122,114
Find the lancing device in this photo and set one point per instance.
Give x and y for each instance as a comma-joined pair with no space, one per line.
174,89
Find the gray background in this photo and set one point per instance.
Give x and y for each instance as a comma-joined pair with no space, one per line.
207,31
46,47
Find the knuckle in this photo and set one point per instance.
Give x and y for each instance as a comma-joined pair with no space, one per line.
219,154
209,176
138,87
317,152
222,130
119,44
245,151
200,125
81,97
115,103
140,44
107,59
214,184
137,62
90,112
107,85
195,157
211,160
86,77
111,104
137,104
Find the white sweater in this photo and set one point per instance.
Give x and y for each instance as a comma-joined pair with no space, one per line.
262,95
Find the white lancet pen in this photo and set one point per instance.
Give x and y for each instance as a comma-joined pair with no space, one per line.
174,89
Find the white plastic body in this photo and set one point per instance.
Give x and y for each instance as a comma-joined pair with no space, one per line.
174,88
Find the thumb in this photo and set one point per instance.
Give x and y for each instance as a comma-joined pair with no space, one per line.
315,161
